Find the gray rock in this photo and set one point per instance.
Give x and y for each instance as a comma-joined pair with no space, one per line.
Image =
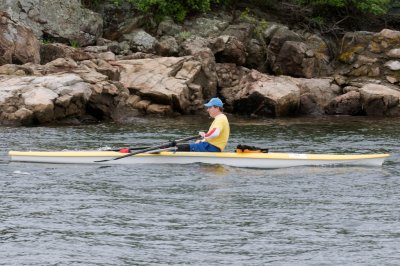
393,65
140,41
18,44
380,100
262,95
57,19
346,104
42,99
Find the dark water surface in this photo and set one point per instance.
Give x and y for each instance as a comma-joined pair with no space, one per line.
202,214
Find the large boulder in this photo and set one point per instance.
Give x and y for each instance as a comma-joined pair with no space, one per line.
140,41
52,51
228,49
166,85
37,100
18,44
256,55
64,21
346,104
316,94
295,59
276,36
168,27
380,100
206,27
195,45
262,95
241,32
294,54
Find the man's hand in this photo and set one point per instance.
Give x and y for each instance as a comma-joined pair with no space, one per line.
202,135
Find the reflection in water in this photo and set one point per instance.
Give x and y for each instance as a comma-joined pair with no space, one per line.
216,169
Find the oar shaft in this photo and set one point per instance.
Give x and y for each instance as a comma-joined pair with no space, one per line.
131,149
165,145
146,147
160,150
188,138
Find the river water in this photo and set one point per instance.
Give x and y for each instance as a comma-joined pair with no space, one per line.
202,214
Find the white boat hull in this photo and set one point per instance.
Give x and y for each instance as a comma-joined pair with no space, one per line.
252,160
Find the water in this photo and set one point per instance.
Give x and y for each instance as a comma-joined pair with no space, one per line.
202,214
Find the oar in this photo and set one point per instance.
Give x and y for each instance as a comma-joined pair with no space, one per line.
165,145
174,149
131,149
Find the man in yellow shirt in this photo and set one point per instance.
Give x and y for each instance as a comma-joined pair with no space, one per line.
217,136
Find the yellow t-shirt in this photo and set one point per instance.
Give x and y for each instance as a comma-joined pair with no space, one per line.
220,122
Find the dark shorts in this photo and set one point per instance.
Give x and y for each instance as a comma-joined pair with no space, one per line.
203,147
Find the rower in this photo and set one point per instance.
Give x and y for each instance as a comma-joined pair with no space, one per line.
217,136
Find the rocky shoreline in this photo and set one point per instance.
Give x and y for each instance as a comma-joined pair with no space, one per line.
258,68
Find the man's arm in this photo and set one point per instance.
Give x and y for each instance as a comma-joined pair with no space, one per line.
213,133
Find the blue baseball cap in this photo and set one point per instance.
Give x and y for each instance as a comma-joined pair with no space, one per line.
214,102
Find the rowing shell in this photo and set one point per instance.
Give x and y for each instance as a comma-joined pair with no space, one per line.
253,160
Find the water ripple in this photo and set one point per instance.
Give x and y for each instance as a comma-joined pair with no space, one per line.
202,214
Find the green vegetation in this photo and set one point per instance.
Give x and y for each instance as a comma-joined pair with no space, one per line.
184,35
178,9
318,20
315,13
46,41
260,25
376,7
74,43
246,16
338,16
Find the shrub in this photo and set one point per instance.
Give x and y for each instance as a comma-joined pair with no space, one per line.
376,7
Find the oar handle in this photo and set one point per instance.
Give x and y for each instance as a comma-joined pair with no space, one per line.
165,145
